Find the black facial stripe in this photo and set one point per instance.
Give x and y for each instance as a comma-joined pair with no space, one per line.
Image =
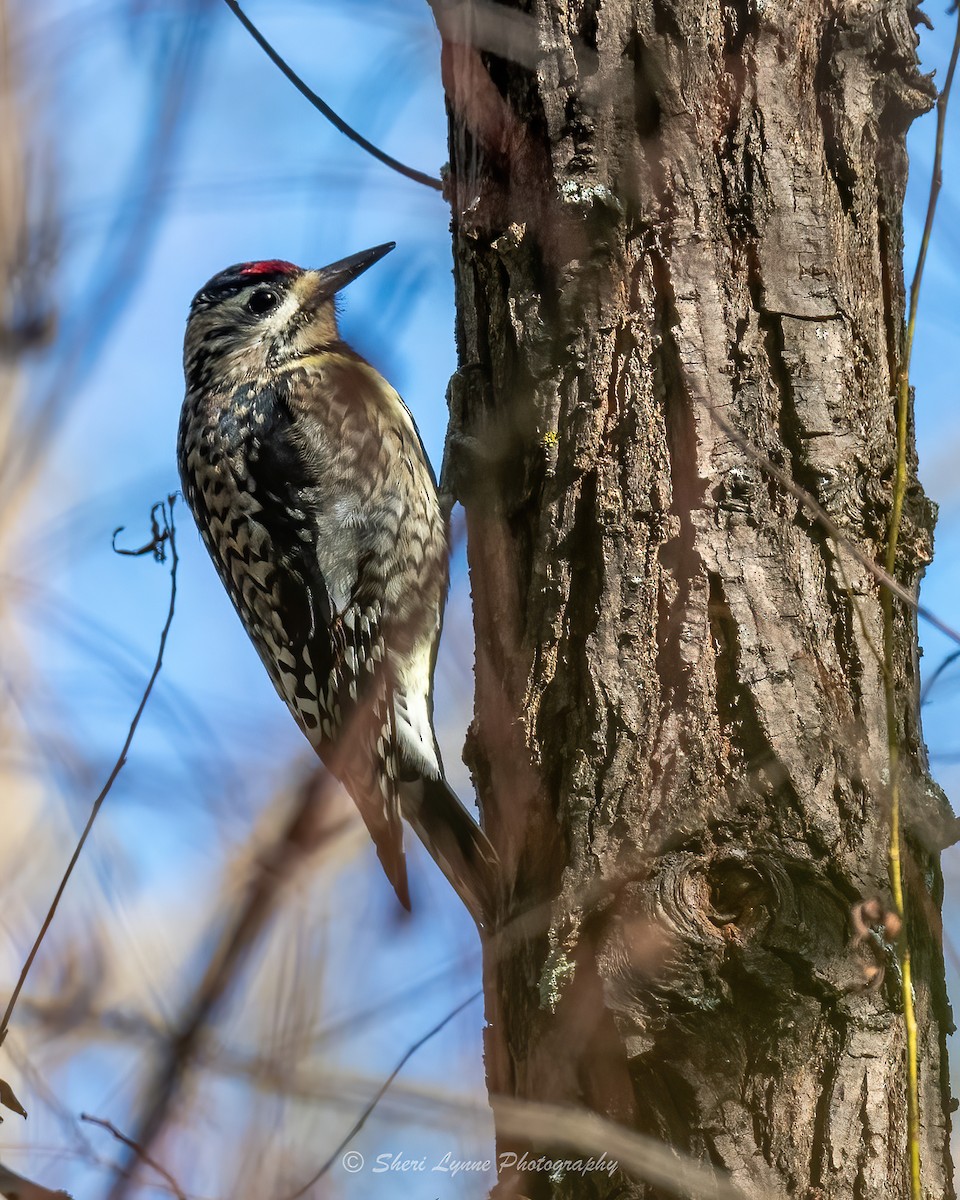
210,297
235,279
220,331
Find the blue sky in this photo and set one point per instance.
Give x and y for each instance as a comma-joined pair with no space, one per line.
254,172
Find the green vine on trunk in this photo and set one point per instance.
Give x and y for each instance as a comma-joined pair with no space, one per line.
894,855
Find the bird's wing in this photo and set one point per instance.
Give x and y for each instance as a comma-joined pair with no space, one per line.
328,663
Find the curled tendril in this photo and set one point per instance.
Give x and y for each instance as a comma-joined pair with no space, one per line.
160,528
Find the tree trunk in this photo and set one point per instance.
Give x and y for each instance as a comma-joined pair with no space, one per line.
676,219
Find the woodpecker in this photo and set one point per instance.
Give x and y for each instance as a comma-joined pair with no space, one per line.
312,491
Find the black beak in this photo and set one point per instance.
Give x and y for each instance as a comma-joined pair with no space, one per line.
339,274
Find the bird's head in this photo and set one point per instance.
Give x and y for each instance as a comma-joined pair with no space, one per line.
256,316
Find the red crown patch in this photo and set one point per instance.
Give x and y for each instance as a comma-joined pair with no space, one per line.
269,266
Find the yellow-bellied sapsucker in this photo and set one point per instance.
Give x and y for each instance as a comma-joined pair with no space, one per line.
312,491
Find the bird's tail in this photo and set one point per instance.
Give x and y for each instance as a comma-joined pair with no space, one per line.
382,819
451,835
457,844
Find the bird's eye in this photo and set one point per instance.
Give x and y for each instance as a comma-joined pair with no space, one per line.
262,301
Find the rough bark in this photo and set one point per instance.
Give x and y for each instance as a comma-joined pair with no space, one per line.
665,210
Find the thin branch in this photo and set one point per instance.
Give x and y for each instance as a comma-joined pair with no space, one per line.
322,107
936,183
903,375
365,1115
138,1150
164,536
942,666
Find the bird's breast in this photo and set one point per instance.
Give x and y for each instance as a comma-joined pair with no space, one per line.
312,467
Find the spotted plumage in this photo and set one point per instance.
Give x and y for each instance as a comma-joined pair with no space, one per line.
312,492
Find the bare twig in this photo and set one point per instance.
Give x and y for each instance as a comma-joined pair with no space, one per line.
365,1115
322,107
942,666
936,183
164,535
138,1150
